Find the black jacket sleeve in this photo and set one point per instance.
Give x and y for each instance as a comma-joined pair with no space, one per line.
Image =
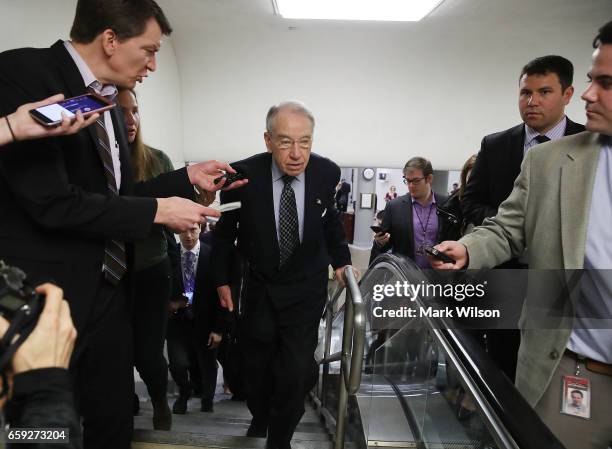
208,314
474,202
334,232
225,234
43,398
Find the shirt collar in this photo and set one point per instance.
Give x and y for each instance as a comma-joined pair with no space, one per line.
553,133
195,250
433,199
107,90
277,173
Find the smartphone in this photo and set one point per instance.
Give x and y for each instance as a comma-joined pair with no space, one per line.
231,178
51,114
438,254
376,229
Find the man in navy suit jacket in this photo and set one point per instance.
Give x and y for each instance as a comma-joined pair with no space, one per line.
197,322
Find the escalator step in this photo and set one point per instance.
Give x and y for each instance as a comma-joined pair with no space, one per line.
155,439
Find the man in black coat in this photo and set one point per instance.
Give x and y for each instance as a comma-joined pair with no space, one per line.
289,231
411,221
66,205
545,88
197,322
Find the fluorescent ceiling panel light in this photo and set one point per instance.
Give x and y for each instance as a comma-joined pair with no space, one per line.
383,10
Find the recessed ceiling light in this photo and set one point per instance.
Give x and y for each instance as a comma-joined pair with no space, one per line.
383,10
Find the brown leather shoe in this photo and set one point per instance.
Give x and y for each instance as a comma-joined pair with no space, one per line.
162,418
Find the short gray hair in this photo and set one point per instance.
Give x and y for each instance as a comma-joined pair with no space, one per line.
293,106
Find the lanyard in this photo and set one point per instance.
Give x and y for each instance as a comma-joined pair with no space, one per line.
426,227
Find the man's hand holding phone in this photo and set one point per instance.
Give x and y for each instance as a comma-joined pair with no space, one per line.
381,238
204,174
455,250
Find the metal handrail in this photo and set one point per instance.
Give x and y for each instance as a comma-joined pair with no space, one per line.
351,354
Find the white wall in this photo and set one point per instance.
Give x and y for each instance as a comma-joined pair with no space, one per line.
39,23
380,92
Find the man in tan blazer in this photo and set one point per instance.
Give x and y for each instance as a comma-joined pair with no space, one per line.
561,209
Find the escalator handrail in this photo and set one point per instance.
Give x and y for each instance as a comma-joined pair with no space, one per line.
353,344
353,333
353,357
519,419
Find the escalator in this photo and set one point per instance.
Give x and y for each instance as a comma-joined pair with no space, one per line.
424,384
399,383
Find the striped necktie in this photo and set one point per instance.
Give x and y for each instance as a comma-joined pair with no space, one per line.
114,250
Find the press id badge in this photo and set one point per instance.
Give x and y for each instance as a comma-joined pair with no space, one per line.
576,396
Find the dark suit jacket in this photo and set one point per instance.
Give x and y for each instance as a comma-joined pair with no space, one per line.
207,311
497,166
304,276
397,221
55,207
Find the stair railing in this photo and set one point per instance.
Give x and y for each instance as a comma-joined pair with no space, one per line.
351,353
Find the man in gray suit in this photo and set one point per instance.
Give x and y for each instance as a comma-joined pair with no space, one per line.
561,209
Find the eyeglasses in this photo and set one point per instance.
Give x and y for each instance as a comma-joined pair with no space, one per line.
413,181
285,143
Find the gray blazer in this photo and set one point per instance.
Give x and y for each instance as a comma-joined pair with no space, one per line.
546,212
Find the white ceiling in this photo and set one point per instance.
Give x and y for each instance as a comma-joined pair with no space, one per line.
494,16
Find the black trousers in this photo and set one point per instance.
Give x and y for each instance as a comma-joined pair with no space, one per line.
102,364
279,364
150,316
189,355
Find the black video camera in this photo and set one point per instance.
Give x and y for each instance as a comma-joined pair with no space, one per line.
21,306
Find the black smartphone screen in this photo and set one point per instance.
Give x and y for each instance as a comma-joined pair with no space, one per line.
376,229
438,254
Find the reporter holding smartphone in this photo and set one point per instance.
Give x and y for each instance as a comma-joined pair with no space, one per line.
410,222
40,386
71,204
21,126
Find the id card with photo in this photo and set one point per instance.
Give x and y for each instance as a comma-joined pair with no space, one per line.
576,396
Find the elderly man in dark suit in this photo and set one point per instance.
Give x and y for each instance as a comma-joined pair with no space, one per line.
412,221
545,88
68,204
289,231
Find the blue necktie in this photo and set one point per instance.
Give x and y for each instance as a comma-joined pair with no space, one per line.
189,274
